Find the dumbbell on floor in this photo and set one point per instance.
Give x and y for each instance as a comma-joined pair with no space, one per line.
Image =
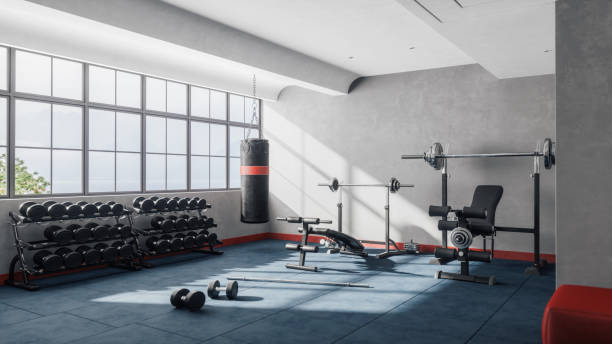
70,258
192,300
32,210
58,234
47,261
87,208
90,256
80,234
231,289
144,204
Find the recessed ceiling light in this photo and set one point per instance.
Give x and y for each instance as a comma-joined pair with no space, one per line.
351,57
412,48
547,50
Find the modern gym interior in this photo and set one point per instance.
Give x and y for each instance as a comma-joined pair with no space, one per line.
305,171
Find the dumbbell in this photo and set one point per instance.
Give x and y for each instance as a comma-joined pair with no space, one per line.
32,210
58,234
231,289
54,209
116,208
143,204
172,204
159,203
87,208
193,300
159,222
213,240
70,258
109,253
90,255
180,224
176,244
102,208
187,241
120,230
182,203
158,245
199,239
80,233
72,210
99,232
192,221
125,250
197,203
47,261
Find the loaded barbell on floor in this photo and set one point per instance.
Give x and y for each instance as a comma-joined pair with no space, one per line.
435,156
231,289
394,185
192,300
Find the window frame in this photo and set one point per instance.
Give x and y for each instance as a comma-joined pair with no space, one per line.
11,95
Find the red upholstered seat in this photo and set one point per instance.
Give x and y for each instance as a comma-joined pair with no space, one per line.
578,314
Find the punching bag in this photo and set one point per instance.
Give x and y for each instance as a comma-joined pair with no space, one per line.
254,172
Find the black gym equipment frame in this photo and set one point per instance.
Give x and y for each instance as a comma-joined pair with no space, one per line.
439,161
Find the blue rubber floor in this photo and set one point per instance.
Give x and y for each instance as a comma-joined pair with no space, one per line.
405,304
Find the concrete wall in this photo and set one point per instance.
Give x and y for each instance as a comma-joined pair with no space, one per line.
584,124
225,211
359,138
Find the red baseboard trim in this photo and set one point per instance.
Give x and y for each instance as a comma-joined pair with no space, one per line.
314,239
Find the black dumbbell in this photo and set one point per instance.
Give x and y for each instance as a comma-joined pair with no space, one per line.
72,210
160,203
159,222
231,289
176,244
120,230
182,203
32,210
192,221
47,261
87,208
200,239
58,234
158,245
109,253
143,204
213,240
125,250
172,204
116,208
188,241
90,256
80,233
99,232
180,224
71,259
103,209
193,301
54,209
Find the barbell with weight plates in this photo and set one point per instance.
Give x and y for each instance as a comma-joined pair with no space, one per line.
435,156
394,185
32,210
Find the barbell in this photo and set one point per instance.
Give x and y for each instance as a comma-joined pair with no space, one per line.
394,185
435,156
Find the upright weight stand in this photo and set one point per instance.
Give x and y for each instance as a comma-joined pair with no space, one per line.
303,246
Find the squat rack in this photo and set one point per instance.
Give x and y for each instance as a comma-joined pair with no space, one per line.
437,159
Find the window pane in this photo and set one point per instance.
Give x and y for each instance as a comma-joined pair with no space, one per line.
177,136
199,138
32,124
217,173
156,94
248,110
253,134
33,73
3,120
128,89
3,69
236,135
177,172
128,172
128,132
3,177
156,172
217,139
236,108
101,130
234,172
32,171
67,171
101,172
177,98
218,103
67,79
101,85
199,172
199,101
156,134
67,127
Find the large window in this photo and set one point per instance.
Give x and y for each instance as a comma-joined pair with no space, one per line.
86,129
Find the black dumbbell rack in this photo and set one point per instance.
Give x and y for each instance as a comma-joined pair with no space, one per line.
18,222
147,232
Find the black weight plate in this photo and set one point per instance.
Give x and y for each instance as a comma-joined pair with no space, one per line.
161,203
89,209
183,203
162,246
101,233
156,221
36,211
82,234
125,252
136,201
125,231
72,260
23,207
104,209
201,204
49,203
176,244
63,236
172,205
195,300
167,225
73,210
38,256
176,297
52,263
56,210
200,240
188,241
193,222
109,254
181,224
231,290
116,209
92,257
113,231
212,291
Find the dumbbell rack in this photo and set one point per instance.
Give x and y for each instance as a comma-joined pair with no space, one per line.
206,249
18,222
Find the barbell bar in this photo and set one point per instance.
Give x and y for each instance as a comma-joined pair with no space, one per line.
394,185
435,157
279,280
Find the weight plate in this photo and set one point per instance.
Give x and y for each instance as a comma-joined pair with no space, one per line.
435,150
231,291
56,210
116,209
88,209
176,297
136,201
73,210
548,153
461,238
36,211
72,260
212,291
23,207
334,185
82,234
195,300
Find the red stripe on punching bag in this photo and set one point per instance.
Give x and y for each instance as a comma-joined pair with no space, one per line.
254,170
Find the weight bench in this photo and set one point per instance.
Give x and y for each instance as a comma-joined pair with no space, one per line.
347,244
303,246
477,219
